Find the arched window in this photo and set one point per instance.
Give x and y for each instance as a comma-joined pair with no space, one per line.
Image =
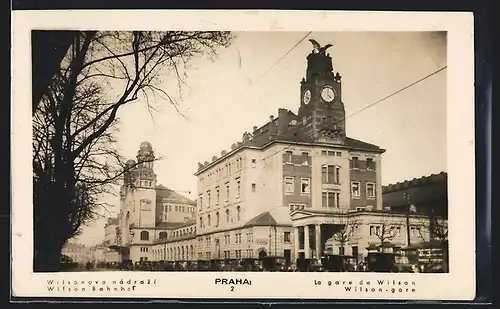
144,235
163,235
238,213
227,215
208,220
217,218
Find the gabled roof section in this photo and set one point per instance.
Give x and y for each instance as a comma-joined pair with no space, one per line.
357,144
164,193
291,131
263,219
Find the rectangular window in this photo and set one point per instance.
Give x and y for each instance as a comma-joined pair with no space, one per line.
398,231
330,174
286,237
355,163
323,152
287,157
304,186
217,192
289,185
238,188
209,200
338,153
294,207
370,164
227,191
201,202
305,158
355,189
254,187
370,190
331,153
330,199
254,162
377,230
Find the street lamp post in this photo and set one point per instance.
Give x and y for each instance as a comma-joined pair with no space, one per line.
132,233
275,241
407,198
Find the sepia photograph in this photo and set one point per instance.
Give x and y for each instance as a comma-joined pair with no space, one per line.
240,151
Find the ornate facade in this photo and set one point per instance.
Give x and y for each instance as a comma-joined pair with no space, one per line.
148,211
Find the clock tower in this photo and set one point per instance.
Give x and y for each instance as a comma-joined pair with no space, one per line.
321,111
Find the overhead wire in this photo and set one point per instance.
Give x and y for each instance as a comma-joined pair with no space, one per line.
372,104
248,166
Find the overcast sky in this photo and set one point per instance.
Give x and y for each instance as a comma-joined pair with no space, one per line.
227,96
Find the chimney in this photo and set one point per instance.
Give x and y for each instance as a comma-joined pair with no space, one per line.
272,128
255,128
283,120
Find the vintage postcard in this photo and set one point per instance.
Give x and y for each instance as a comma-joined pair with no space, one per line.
243,154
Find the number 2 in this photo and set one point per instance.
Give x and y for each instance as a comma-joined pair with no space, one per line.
232,288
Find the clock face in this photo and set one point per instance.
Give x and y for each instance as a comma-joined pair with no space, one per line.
307,96
328,94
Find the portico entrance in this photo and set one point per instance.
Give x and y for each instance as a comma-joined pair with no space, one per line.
312,230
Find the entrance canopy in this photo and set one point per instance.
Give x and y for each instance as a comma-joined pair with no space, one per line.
315,217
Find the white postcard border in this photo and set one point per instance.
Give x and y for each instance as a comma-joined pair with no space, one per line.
458,284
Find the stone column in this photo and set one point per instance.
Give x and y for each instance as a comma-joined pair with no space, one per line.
317,230
307,250
296,243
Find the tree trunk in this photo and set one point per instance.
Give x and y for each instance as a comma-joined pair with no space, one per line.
47,256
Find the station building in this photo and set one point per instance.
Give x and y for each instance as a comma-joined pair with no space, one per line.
290,188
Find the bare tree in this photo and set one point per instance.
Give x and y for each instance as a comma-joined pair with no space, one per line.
385,231
74,159
349,226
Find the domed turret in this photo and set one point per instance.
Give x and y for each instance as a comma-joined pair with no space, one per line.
145,155
146,146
